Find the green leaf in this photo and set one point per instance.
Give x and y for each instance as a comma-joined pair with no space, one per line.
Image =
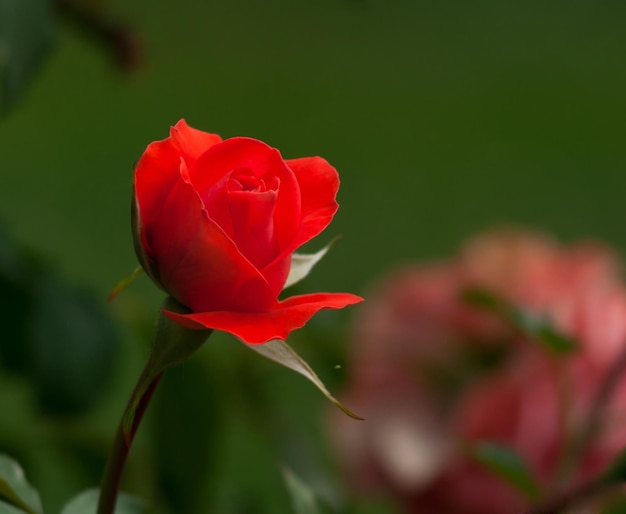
302,264
540,328
535,326
303,498
26,35
15,490
281,353
508,465
87,503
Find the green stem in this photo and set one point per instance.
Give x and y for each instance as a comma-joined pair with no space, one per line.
123,440
173,345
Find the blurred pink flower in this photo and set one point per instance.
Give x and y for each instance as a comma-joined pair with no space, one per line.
431,374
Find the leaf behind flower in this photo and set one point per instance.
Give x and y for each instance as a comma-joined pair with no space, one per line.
302,264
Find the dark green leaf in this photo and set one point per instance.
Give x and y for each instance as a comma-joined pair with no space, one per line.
18,274
26,35
87,502
508,465
73,348
15,490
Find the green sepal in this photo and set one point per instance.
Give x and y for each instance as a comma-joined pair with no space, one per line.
280,352
124,283
15,491
302,264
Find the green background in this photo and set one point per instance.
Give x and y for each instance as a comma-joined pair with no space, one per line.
442,118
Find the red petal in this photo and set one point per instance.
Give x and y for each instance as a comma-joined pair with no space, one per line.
191,142
158,168
252,215
156,174
257,328
198,264
319,183
262,160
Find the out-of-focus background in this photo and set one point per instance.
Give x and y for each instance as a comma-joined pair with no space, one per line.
442,118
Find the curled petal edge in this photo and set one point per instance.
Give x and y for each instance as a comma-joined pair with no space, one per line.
261,327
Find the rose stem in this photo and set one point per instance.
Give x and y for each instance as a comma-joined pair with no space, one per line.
121,447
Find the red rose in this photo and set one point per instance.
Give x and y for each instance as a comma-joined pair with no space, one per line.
216,225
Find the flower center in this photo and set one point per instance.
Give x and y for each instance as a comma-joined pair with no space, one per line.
252,202
244,180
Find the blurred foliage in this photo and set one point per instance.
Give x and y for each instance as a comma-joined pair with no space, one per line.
441,118
534,327
508,465
15,490
27,32
87,502
58,337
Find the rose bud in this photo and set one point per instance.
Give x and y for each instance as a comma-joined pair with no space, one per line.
216,223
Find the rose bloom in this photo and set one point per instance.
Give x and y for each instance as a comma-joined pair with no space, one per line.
433,374
216,223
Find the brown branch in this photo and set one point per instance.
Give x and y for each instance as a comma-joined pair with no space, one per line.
118,39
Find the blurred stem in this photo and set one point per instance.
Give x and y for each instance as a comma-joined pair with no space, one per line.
118,454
